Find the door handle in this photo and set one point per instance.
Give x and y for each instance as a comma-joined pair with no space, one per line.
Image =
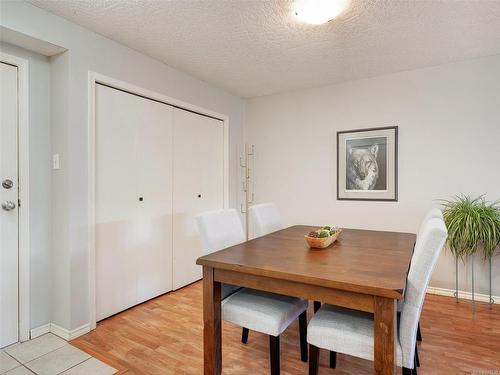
7,184
8,205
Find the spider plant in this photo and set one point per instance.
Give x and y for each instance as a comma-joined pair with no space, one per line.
472,223
490,235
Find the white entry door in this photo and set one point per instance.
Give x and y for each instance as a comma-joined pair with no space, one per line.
198,186
9,297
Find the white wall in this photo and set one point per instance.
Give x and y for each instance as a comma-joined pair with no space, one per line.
449,143
40,182
89,51
449,135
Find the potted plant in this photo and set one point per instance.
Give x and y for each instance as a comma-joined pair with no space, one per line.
473,223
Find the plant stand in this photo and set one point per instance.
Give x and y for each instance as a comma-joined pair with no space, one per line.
491,300
455,294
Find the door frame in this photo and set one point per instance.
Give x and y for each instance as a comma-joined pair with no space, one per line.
93,79
23,181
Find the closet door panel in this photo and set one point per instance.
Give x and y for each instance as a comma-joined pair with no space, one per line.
197,186
115,201
154,221
133,235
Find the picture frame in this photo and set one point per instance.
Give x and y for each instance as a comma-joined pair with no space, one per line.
367,164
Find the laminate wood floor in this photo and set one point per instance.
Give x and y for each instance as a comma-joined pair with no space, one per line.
164,336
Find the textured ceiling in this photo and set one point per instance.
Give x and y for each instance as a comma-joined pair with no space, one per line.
254,48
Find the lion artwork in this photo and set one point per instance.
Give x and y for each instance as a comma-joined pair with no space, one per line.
362,168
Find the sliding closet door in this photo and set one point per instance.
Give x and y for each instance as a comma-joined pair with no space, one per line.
154,219
115,202
198,186
133,202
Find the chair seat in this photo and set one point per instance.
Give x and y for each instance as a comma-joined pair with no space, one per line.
344,331
261,311
228,289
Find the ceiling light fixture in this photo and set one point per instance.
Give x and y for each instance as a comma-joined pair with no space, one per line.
317,12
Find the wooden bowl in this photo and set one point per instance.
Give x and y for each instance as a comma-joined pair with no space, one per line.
321,243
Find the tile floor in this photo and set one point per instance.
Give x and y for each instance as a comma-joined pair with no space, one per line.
49,355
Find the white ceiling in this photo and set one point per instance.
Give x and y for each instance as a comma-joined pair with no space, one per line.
254,48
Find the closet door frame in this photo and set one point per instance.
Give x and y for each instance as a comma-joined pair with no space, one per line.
94,79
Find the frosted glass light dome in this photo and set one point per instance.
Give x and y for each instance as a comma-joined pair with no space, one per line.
316,12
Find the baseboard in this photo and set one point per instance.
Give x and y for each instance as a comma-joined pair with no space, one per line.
69,334
39,331
463,295
74,333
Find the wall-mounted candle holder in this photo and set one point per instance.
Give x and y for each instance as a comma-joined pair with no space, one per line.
246,162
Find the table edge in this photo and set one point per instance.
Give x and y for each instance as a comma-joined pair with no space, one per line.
396,293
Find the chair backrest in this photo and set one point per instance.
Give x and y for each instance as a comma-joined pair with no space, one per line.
219,229
425,256
431,214
265,219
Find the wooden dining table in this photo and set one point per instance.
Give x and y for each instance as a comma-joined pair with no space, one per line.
363,270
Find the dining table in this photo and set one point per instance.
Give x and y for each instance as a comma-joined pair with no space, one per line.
363,270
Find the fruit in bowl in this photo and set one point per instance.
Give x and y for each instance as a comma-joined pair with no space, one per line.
322,237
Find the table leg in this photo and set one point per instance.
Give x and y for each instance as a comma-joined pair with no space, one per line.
385,335
212,332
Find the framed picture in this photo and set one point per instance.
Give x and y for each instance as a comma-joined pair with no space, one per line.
367,164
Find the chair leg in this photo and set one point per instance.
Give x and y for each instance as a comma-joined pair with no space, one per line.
303,336
416,363
317,305
417,360
244,335
313,360
333,359
419,334
274,349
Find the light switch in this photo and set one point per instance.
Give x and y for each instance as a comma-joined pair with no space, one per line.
55,161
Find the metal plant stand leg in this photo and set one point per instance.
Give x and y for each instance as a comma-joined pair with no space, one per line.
456,278
473,302
492,301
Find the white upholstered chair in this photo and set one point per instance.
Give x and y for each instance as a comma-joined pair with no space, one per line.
351,332
220,229
256,310
265,219
433,213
